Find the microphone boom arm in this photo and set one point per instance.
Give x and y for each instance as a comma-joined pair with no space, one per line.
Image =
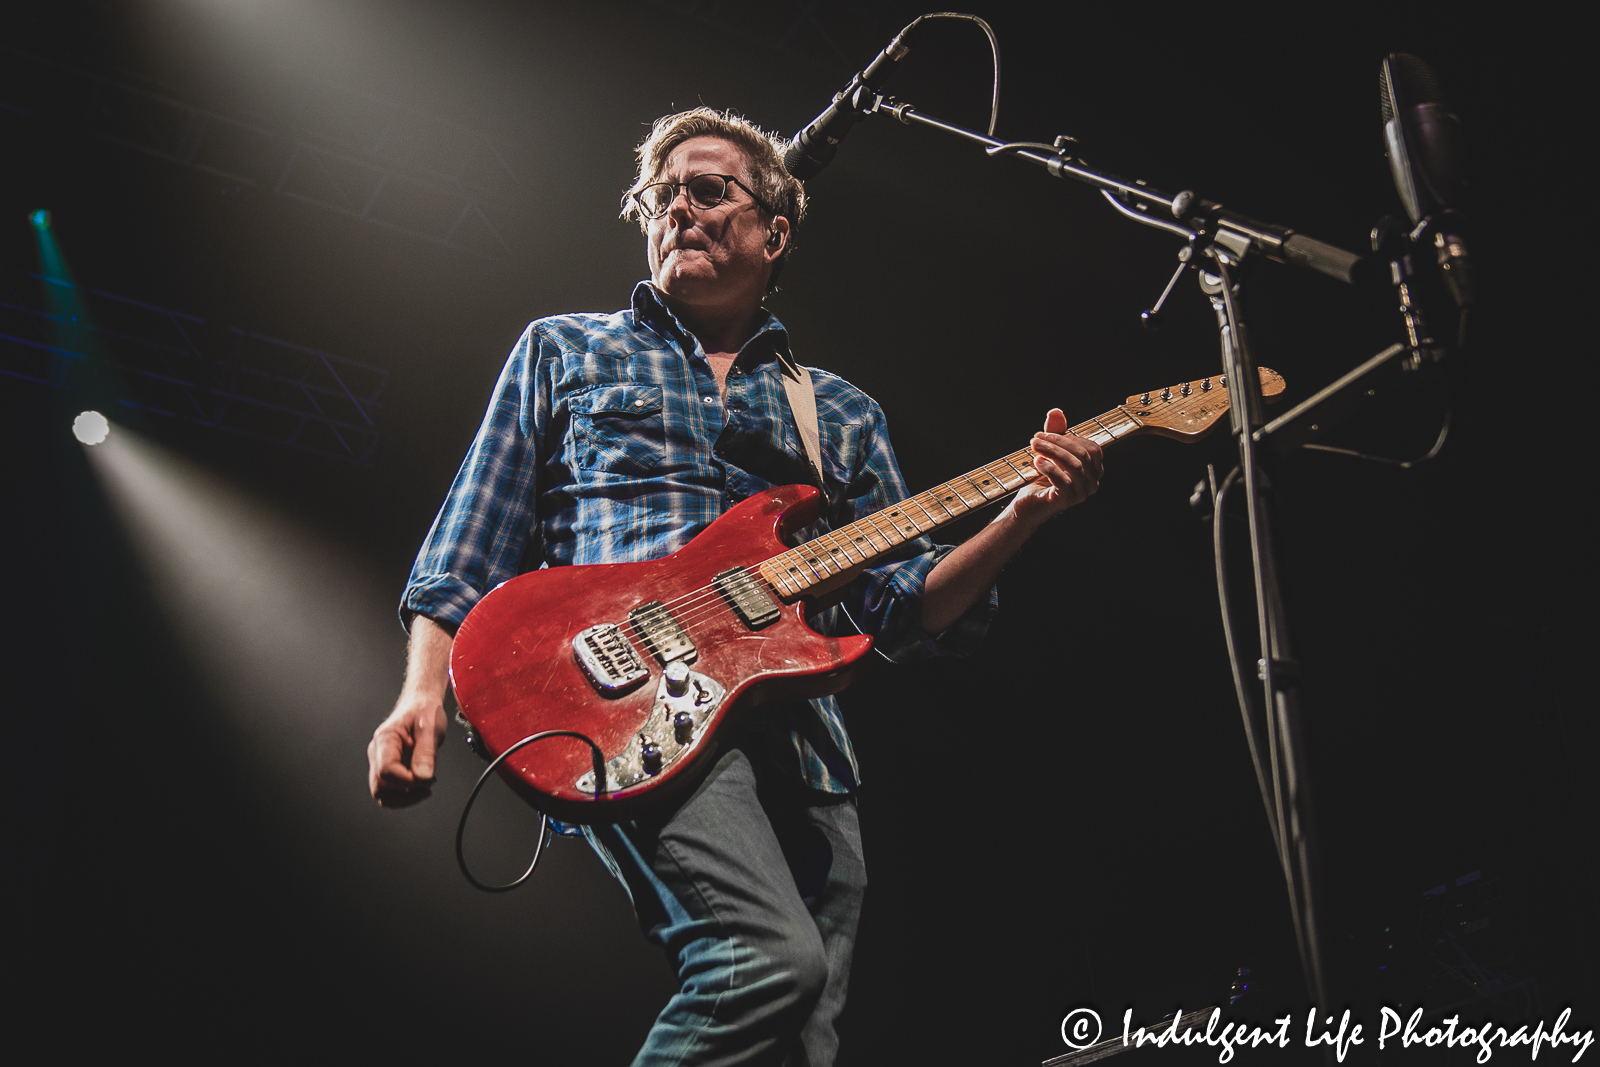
1199,222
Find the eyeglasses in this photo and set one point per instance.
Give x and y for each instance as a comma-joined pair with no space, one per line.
705,191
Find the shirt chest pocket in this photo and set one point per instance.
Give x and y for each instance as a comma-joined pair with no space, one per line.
617,428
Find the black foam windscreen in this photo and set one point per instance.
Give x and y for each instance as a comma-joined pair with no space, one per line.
1424,137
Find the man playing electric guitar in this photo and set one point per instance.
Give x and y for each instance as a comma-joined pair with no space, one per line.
619,437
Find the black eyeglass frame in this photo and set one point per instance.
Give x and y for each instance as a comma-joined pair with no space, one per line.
727,179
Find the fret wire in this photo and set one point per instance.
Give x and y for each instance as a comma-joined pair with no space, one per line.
1013,466
772,570
946,493
848,545
868,528
821,558
938,494
975,489
995,479
820,549
892,535
839,549
794,567
782,579
904,535
805,563
917,500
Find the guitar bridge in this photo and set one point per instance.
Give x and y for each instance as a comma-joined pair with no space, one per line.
608,659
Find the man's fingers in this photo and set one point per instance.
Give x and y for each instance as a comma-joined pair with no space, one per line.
427,743
1073,452
386,760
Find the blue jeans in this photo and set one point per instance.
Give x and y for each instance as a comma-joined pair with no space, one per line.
753,887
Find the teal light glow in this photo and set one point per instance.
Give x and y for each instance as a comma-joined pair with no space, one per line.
40,219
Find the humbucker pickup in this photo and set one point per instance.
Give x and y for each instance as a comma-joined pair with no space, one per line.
750,602
661,632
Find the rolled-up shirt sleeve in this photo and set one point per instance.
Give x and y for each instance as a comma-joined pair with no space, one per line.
885,602
481,533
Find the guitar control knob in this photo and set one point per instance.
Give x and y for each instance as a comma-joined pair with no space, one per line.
683,727
677,678
650,757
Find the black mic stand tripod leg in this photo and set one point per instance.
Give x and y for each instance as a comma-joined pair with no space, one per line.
1289,806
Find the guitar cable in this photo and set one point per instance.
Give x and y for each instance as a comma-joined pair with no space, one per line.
544,820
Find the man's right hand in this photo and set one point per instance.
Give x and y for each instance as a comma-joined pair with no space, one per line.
403,749
400,756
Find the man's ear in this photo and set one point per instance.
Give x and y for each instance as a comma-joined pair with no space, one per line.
777,238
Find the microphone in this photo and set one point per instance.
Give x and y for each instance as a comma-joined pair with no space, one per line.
1426,145
815,145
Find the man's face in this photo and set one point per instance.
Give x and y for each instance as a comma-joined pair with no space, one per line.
710,256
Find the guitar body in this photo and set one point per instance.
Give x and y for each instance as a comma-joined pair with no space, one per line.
516,670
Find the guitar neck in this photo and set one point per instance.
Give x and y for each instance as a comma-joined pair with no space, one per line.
826,559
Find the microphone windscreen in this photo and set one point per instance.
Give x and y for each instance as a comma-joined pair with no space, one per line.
1425,139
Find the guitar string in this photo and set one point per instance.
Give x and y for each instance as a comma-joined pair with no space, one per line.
679,603
692,606
697,606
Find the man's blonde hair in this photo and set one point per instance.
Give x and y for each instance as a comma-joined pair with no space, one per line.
763,153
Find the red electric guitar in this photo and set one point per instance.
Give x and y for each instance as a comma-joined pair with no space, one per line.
649,659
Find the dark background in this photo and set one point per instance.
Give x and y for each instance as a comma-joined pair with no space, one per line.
201,864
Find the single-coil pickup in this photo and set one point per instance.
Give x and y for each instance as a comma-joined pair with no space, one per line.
661,633
747,596
608,659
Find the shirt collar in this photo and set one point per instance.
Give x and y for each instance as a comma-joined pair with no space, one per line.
769,341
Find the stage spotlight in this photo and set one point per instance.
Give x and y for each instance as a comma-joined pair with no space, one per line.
40,219
91,427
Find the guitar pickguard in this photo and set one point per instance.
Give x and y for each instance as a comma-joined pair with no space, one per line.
676,726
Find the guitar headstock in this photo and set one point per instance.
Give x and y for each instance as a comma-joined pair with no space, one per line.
1190,410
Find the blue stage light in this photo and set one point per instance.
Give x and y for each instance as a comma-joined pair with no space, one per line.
40,219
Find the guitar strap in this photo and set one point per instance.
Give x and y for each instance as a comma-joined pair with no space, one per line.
803,402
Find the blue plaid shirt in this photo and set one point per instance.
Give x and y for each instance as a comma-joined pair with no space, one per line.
606,442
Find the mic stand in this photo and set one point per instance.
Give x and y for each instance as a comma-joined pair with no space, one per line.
1289,802
1230,240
